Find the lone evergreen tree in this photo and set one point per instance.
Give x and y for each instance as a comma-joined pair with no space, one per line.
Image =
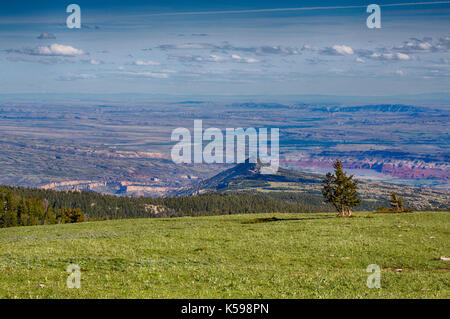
340,190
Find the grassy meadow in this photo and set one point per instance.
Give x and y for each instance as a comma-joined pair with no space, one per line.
233,256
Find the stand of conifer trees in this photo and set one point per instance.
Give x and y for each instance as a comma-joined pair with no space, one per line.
20,210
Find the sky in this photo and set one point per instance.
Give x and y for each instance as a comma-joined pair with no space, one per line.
225,48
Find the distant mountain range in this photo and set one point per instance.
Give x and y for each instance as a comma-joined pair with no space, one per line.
436,98
392,108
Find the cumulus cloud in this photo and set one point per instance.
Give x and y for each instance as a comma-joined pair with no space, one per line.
403,52
387,56
337,50
50,50
243,60
414,45
342,49
145,63
45,35
58,50
402,56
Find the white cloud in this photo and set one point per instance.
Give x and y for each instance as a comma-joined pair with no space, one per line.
424,45
416,46
145,63
402,56
243,60
342,49
53,50
390,56
337,50
57,50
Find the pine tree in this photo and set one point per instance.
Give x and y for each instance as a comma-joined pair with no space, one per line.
340,190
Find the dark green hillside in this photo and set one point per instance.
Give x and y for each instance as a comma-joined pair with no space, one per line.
99,207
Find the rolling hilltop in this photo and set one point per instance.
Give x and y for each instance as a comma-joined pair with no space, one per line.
234,256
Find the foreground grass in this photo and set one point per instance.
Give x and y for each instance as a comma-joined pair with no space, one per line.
236,256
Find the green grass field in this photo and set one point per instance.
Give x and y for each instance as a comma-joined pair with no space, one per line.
234,256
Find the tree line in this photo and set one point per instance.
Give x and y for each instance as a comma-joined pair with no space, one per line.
16,210
20,206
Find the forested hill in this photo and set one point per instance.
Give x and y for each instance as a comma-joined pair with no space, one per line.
35,204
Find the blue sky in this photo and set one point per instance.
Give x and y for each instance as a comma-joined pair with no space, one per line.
225,48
